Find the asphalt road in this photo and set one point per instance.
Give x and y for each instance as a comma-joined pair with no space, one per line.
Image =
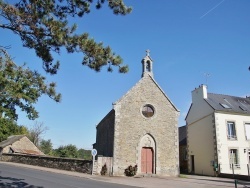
19,177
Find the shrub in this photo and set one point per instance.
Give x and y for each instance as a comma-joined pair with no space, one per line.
104,170
131,171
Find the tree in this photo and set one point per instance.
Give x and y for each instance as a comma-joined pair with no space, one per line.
43,25
8,128
69,151
36,131
21,87
46,147
84,154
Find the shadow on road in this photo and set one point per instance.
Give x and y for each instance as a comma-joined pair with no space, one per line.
8,182
227,181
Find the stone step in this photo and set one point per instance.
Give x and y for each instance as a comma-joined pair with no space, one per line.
145,175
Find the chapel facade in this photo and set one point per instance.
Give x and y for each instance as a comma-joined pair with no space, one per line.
141,129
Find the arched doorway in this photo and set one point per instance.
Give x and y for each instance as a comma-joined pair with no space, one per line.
147,160
146,155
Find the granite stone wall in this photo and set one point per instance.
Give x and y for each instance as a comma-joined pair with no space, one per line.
100,162
77,165
23,143
132,129
105,135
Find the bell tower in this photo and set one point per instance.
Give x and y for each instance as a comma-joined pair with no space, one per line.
147,65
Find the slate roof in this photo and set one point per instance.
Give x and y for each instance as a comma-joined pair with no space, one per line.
10,140
111,113
183,135
228,103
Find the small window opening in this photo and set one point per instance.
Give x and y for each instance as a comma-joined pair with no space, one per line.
225,105
148,66
148,111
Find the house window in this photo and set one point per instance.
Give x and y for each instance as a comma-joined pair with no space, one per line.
234,158
242,108
231,131
247,131
148,110
225,105
242,105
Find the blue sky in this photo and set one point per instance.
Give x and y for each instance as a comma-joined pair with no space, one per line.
187,40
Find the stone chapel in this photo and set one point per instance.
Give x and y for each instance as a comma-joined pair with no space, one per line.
141,129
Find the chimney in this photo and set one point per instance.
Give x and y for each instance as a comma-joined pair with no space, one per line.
199,93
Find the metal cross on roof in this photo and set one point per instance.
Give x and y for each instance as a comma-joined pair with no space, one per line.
147,52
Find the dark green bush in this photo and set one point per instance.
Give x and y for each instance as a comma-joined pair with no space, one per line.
131,171
104,170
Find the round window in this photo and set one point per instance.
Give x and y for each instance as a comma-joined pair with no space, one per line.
148,111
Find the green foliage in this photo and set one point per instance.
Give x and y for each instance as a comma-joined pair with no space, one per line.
84,154
43,25
131,171
71,151
68,151
8,128
104,170
21,87
46,147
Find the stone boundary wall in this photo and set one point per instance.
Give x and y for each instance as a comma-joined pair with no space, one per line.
101,161
77,165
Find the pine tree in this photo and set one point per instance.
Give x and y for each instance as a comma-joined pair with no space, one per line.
21,87
43,26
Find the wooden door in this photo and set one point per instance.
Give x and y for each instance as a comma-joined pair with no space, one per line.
192,164
147,160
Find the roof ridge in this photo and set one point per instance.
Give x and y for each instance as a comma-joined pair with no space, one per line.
138,82
16,135
229,95
164,93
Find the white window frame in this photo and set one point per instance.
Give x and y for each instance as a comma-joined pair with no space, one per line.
247,130
234,158
231,132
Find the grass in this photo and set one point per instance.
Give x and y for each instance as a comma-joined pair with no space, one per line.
182,176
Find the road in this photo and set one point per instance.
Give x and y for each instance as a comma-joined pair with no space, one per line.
19,177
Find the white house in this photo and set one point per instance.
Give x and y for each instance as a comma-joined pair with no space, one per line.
218,133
